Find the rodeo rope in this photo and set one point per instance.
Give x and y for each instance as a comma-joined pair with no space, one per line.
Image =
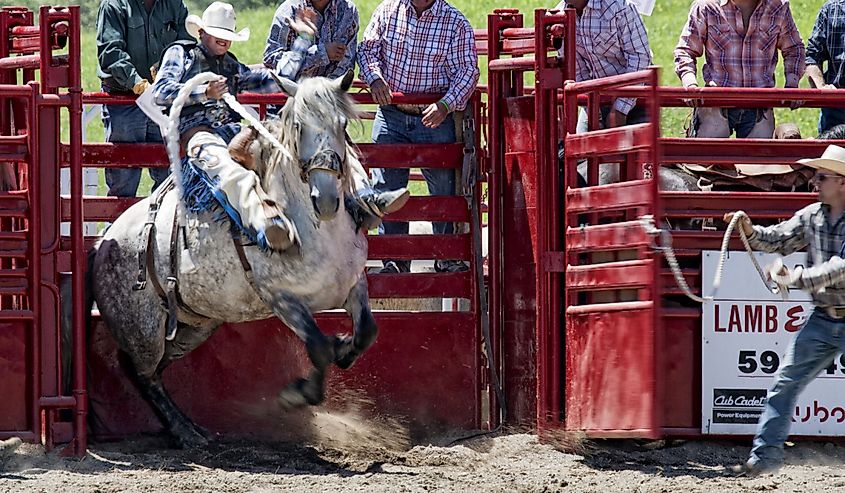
239,109
647,223
176,110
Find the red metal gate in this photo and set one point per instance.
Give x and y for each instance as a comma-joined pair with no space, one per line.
31,378
612,291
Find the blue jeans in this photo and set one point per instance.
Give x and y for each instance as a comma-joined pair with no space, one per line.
739,120
811,350
635,116
391,126
830,117
128,124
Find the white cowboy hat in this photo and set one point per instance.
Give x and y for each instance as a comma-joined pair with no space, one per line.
833,160
218,20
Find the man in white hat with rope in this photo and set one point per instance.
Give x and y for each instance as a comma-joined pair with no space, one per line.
821,228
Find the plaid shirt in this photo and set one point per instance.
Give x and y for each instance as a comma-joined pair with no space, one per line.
611,40
434,53
337,24
825,265
734,58
827,42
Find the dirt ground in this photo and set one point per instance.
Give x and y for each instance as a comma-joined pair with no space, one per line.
346,456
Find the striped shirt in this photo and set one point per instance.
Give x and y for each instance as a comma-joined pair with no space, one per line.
735,57
434,53
611,39
337,24
825,267
827,42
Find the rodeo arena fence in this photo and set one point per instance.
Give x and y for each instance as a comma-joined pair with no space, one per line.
588,327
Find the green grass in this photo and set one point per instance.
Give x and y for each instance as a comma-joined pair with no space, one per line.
663,27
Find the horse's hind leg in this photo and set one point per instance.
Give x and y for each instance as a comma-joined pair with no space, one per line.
319,347
188,338
347,349
186,433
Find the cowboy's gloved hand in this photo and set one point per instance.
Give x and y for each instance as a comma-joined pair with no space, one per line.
781,275
744,223
141,86
217,88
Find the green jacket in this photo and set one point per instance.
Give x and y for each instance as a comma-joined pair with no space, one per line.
130,41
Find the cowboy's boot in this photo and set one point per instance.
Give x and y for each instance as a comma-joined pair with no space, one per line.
378,204
243,192
241,147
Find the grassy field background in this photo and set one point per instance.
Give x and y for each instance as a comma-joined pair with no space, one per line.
663,28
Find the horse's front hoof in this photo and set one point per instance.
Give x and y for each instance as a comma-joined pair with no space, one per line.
191,440
344,351
299,394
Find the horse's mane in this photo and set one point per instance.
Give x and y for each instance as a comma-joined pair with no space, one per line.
318,102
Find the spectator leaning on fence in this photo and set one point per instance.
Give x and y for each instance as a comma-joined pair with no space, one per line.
611,39
827,45
819,227
131,37
335,44
739,40
418,46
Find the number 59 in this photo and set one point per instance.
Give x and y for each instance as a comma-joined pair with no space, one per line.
769,362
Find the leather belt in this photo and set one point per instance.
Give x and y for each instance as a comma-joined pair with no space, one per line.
411,109
834,311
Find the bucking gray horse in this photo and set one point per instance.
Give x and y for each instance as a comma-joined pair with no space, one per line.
325,271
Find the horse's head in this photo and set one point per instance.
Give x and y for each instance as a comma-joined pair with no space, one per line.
314,121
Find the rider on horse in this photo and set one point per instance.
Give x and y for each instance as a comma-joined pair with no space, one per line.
207,124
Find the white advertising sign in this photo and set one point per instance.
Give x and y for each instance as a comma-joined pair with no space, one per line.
744,334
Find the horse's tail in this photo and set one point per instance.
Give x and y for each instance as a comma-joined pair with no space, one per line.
172,134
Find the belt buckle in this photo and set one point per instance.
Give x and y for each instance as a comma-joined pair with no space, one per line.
835,312
410,109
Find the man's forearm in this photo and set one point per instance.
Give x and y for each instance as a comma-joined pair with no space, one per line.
814,76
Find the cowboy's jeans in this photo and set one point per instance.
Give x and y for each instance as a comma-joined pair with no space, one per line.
241,186
128,124
636,115
754,123
830,117
811,350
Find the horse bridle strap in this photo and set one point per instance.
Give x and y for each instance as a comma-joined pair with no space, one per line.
326,160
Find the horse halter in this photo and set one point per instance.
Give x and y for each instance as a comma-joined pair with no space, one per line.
326,160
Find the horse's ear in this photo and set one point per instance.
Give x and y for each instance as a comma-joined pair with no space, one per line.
345,82
288,86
